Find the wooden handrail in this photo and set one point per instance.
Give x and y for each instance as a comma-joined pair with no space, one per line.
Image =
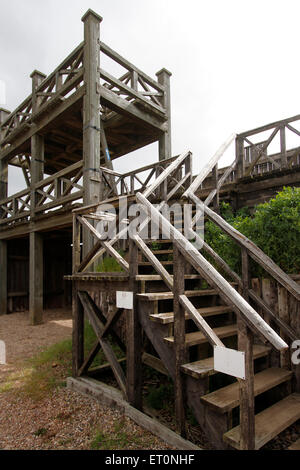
209,166
225,290
256,253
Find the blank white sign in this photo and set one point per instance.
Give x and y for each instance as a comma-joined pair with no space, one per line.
229,361
124,300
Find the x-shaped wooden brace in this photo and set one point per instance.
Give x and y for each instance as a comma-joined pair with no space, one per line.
101,329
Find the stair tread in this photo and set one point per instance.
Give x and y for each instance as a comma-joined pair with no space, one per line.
147,263
205,312
162,252
205,367
295,445
197,337
157,277
227,398
169,295
270,422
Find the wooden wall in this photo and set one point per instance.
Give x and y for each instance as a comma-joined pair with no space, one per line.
57,263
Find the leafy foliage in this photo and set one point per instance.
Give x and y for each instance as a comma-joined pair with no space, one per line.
274,227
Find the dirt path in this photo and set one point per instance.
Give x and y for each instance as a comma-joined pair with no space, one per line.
63,419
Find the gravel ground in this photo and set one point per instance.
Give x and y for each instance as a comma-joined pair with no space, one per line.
63,419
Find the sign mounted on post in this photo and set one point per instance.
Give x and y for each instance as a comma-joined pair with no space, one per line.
124,300
229,361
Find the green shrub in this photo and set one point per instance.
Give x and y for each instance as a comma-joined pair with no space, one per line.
274,227
110,265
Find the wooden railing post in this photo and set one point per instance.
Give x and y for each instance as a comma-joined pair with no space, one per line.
179,339
283,147
165,145
245,343
134,336
247,416
3,276
240,157
91,115
215,175
4,113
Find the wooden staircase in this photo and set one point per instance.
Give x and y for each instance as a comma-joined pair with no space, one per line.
215,406
187,305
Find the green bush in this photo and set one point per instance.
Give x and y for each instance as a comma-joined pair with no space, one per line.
110,265
274,227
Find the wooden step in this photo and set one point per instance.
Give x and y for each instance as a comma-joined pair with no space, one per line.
295,445
157,277
169,295
270,422
147,263
205,367
197,337
227,398
162,252
165,318
149,241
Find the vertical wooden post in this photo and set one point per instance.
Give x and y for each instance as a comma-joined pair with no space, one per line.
3,277
37,78
4,113
239,155
91,116
3,243
247,416
36,270
134,336
165,144
77,332
179,340
215,175
245,343
35,278
283,147
283,312
77,309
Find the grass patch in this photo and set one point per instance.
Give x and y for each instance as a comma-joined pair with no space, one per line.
119,438
47,370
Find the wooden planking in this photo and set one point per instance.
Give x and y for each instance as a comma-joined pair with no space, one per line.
270,422
205,367
157,277
227,398
198,337
152,296
168,317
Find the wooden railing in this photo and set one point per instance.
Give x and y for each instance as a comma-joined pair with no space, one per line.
138,180
61,83
134,85
53,192
253,148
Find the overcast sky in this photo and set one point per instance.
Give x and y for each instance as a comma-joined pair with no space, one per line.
235,63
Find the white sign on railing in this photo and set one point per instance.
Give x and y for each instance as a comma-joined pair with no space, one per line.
229,361
124,300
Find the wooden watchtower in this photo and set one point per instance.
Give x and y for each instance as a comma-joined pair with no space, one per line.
77,120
